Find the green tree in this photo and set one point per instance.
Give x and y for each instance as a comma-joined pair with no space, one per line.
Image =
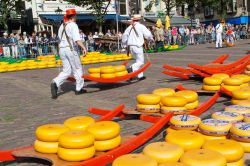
99,8
8,10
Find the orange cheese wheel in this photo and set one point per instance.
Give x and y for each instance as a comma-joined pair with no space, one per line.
107,70
46,147
186,139
241,94
164,92
148,99
134,159
120,68
232,81
212,81
230,87
230,149
96,75
163,152
203,157
106,145
108,75
121,73
189,95
173,164
50,132
192,106
79,122
243,77
211,87
236,163
174,101
221,76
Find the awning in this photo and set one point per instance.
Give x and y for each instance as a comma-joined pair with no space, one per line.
235,20
82,17
175,21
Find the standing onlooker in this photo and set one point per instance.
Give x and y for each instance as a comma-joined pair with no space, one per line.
13,43
22,50
192,36
54,44
182,34
174,34
6,42
219,31
91,42
159,37
187,35
45,44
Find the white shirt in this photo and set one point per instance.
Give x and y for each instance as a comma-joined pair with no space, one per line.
130,39
72,31
219,28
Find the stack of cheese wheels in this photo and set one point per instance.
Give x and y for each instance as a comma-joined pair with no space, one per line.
148,103
48,136
214,128
173,164
175,104
76,145
241,133
163,152
186,139
185,122
203,157
191,98
120,71
164,92
107,135
231,117
79,122
134,160
239,95
211,83
232,84
245,79
95,72
221,76
247,71
230,149
241,109
247,118
107,72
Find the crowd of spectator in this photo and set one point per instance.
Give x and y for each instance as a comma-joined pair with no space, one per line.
24,45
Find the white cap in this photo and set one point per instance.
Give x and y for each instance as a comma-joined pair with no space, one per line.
5,33
137,17
24,33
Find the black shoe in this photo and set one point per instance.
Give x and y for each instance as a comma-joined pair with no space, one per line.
54,90
130,70
142,78
80,92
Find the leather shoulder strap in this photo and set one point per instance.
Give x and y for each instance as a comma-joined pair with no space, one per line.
66,35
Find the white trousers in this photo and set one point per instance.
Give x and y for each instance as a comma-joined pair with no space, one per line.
218,40
137,53
6,51
14,50
71,64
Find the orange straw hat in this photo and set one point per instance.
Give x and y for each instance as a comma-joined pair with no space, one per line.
70,12
65,19
136,17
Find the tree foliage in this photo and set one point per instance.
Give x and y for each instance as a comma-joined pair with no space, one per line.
98,7
8,10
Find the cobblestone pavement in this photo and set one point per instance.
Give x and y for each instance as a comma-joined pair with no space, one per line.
25,101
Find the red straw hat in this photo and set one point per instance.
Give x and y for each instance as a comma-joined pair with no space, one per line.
65,19
70,12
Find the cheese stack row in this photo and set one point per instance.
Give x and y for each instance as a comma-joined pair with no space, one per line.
240,95
108,71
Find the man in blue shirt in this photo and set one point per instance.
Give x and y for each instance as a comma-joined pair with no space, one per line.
13,43
182,32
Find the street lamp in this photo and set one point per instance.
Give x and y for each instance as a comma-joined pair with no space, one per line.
58,12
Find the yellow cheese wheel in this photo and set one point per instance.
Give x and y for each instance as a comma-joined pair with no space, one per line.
230,149
243,77
111,75
210,87
121,73
241,94
148,108
104,130
185,122
50,132
244,85
79,122
107,144
76,154
120,68
135,160
189,95
96,75
186,139
212,81
241,132
232,81
169,130
238,109
148,99
248,67
163,152
107,70
46,147
236,163
231,117
173,101
235,102
221,76
247,118
214,127
173,164
246,146
193,105
203,157
230,87
76,139
164,92
245,103
175,110
208,137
